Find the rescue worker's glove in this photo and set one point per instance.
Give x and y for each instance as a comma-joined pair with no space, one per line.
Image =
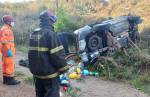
9,53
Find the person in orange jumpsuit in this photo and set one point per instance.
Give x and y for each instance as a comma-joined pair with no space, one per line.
8,51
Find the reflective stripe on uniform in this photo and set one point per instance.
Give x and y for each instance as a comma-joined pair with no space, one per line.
47,76
57,49
37,29
42,49
5,42
64,68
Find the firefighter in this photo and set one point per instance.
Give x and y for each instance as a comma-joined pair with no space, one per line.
8,51
46,57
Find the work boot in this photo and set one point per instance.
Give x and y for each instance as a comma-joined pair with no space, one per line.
5,79
11,81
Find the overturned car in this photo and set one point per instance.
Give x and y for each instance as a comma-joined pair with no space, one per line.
94,40
97,39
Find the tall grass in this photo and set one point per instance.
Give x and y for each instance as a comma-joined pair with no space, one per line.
66,23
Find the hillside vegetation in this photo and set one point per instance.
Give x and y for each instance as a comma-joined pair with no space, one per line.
72,14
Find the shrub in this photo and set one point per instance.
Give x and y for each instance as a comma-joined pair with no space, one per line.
66,23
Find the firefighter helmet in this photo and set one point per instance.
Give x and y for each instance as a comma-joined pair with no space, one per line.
48,15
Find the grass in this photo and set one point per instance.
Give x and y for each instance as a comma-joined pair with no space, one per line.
19,73
146,88
142,82
22,48
29,80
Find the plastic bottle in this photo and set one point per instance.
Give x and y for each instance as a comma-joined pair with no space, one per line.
85,72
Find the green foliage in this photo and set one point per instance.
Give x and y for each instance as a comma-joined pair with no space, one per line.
22,48
29,80
19,73
65,21
142,82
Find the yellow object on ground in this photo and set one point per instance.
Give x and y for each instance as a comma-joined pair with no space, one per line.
74,75
78,70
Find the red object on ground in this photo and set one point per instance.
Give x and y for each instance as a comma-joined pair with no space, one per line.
65,88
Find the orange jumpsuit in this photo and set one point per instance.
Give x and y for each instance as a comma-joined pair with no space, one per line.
7,42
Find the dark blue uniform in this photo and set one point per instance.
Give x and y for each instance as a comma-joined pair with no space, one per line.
46,60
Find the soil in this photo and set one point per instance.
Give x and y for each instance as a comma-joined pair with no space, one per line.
90,86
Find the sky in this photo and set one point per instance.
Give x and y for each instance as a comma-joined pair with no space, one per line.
14,1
